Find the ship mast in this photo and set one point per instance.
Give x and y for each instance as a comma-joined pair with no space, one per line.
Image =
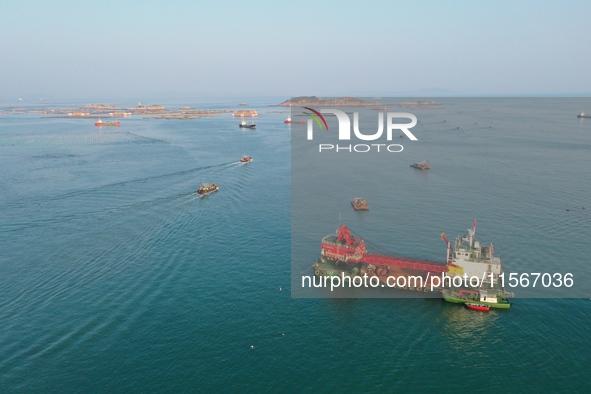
472,232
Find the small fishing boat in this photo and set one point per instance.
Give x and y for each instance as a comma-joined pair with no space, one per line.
245,125
423,165
359,204
478,307
246,159
206,189
289,121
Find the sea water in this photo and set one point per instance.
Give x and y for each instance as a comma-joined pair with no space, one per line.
116,276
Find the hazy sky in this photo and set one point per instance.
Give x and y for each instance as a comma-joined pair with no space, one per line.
83,49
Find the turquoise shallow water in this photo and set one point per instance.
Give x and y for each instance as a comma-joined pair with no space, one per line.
116,277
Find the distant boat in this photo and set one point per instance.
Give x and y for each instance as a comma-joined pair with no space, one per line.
246,159
101,123
289,121
478,307
245,125
423,165
359,204
242,104
582,115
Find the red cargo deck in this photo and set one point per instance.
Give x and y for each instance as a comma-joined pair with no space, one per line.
348,248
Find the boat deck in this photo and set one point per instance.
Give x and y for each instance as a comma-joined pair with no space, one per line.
359,204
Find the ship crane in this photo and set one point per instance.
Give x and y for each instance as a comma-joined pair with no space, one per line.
346,247
447,241
449,247
344,234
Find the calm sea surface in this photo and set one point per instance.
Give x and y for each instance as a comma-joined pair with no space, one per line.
116,277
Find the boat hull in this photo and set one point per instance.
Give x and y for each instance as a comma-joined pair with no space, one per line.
206,193
420,166
478,307
203,191
360,205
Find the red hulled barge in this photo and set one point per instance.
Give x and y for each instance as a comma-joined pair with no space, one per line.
345,254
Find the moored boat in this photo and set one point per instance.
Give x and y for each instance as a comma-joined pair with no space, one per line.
493,298
207,188
478,307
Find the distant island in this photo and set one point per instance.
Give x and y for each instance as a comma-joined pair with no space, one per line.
313,101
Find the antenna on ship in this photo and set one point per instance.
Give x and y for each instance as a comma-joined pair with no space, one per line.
472,232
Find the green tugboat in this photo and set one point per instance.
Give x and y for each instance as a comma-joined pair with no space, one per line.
493,298
468,258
